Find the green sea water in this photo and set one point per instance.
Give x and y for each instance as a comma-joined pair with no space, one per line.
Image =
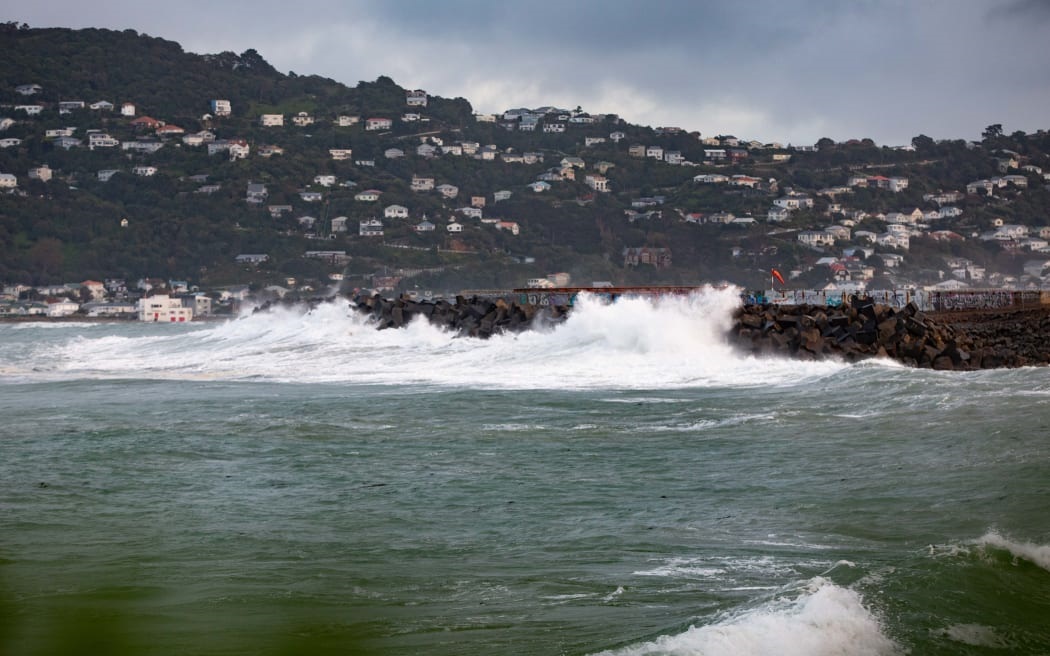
301,483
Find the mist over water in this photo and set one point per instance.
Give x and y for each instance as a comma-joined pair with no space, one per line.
621,483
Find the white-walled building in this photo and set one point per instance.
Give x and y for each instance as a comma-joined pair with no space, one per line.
163,309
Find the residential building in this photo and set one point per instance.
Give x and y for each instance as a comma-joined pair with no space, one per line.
368,195
271,120
324,180
42,173
221,108
502,194
370,228
425,226
421,183
597,182
162,308
345,121
416,98
144,171
378,124
105,174
302,119
510,226
8,181
447,190
395,212
256,193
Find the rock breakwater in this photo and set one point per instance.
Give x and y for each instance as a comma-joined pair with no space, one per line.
958,341
946,340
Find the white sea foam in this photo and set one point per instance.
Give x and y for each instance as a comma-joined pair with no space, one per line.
668,343
823,619
1035,553
976,635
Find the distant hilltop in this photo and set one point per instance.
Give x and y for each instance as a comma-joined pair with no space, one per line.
143,160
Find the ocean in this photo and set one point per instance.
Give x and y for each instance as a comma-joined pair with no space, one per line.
622,484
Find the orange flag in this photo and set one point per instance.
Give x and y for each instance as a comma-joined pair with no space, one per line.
776,274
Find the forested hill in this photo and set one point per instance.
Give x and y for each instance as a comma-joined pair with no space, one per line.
117,164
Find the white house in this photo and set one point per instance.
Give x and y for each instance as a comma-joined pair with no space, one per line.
42,173
10,142
302,119
271,120
311,196
421,183
393,153
816,238
654,152
378,124
145,171
345,121
425,226
778,214
163,308
416,98
340,154
368,195
539,186
370,228
502,194
324,180
454,227
221,108
8,181
447,190
105,174
395,212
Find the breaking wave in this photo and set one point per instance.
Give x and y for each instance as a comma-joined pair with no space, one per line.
630,344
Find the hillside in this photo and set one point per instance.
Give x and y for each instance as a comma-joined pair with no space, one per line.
128,189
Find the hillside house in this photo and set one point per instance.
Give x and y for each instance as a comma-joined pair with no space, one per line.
30,110
395,212
345,121
816,238
311,196
370,228
422,183
448,191
42,173
340,154
8,181
416,98
101,106
378,124
454,227
144,171
657,257
368,195
271,120
28,89
714,154
597,182
654,152
303,119
502,194
539,186
324,180
221,108
509,226
339,224
778,214
256,193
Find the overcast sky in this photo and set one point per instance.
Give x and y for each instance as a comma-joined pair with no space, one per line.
775,70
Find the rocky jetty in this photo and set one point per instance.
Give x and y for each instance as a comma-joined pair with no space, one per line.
959,341
470,317
947,340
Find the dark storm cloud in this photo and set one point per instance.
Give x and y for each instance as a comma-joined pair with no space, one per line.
766,69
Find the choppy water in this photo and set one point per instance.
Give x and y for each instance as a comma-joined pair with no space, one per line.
621,484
